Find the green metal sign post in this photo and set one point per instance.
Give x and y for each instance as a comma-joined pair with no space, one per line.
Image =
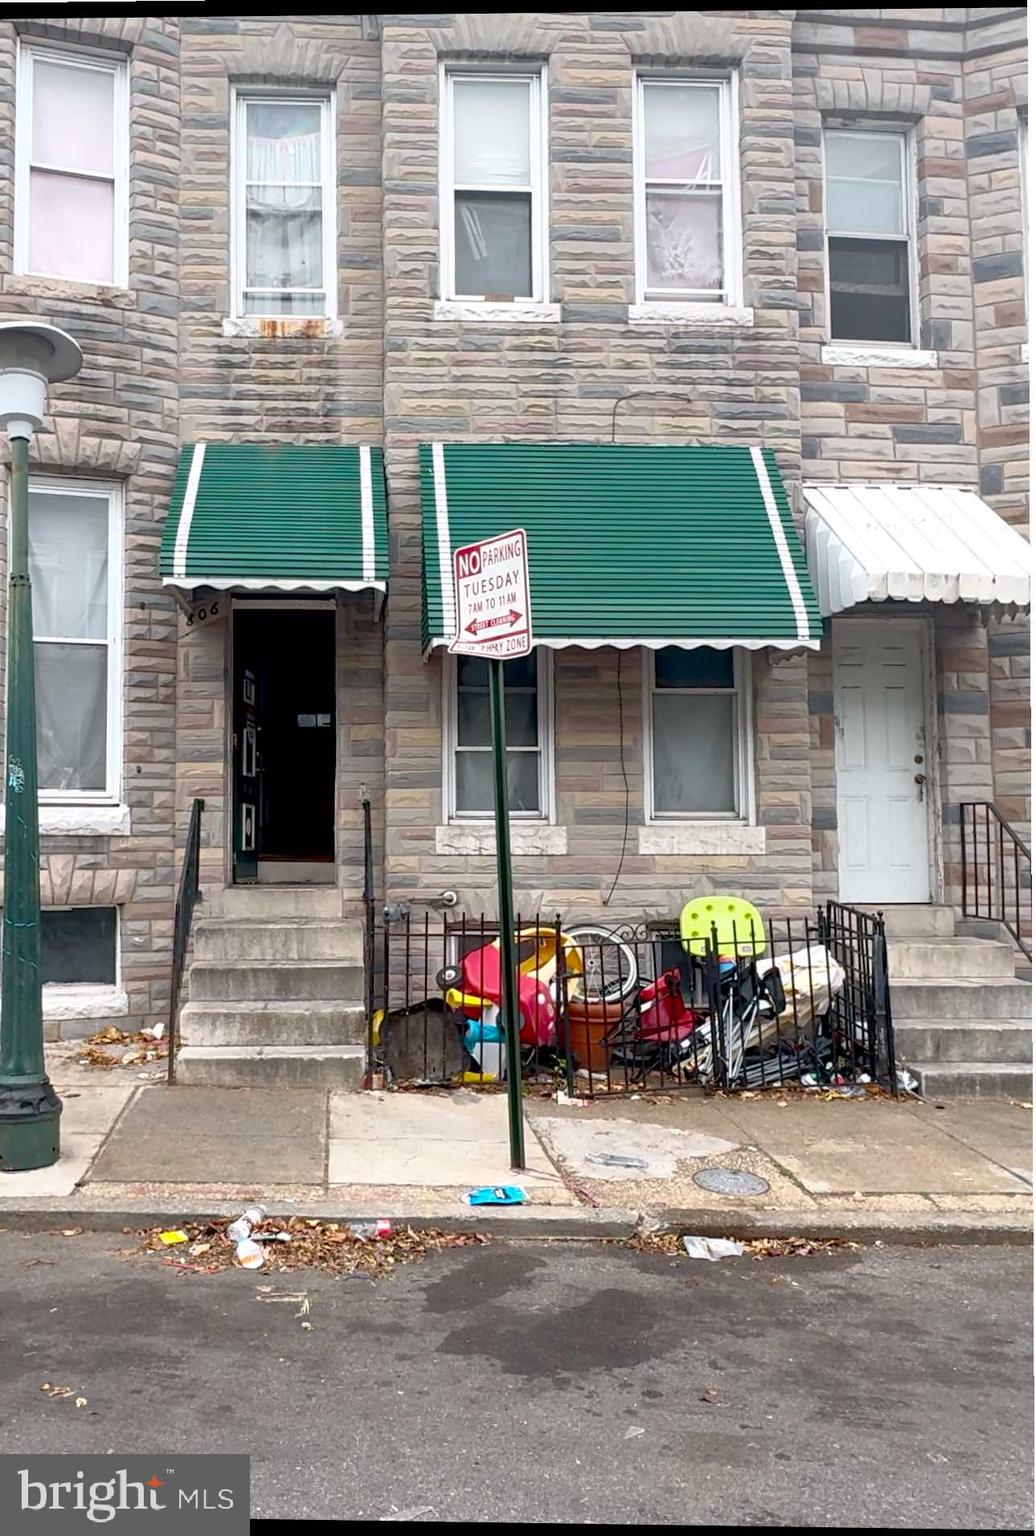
494,621
508,967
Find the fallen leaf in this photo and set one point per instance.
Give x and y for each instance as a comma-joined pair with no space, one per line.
710,1395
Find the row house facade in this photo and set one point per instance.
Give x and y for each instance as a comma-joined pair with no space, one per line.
726,309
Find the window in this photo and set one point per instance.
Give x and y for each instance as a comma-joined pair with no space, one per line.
698,733
470,742
72,135
75,543
78,946
688,207
284,206
869,241
493,187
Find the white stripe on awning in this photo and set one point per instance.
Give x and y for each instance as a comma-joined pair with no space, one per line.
183,528
912,543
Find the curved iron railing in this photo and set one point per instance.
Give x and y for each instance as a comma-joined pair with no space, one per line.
996,872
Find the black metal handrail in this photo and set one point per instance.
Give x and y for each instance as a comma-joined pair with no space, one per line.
186,901
995,872
368,926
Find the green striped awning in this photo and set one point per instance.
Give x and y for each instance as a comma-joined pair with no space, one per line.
629,544
283,517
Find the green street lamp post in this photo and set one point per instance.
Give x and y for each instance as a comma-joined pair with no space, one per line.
31,357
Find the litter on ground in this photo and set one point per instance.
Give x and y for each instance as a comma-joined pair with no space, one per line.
327,1245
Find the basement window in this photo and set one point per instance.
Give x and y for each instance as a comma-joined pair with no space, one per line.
78,946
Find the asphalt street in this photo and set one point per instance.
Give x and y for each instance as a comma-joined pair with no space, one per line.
887,1387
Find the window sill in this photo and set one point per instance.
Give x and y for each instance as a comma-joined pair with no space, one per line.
83,1000
701,837
483,313
479,837
268,328
693,317
31,285
862,355
82,820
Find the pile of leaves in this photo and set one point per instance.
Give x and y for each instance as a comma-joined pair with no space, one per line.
755,1248
113,1047
328,1245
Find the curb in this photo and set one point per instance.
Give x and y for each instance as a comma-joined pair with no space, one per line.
546,1223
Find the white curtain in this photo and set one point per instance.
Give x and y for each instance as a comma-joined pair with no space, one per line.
283,196
68,566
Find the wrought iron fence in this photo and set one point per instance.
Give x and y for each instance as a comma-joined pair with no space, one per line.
186,900
607,1009
996,872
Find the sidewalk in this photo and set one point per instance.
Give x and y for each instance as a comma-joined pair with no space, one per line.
133,1151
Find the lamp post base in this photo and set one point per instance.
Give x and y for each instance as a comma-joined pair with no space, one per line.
30,1126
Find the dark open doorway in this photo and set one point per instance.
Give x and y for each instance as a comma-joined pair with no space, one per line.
284,744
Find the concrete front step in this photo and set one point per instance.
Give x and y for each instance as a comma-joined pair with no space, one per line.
923,1042
976,1080
943,959
271,1066
298,938
266,902
966,999
915,921
256,1023
269,982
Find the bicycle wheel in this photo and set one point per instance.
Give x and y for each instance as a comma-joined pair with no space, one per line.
610,973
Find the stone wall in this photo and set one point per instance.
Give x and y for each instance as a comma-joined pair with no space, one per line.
469,380
118,420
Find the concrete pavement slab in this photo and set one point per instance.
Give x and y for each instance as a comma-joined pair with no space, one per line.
436,1141
997,1128
874,1147
218,1135
458,1116
181,1111
78,1150
94,1110
257,1159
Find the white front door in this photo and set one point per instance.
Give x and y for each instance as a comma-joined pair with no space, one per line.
881,762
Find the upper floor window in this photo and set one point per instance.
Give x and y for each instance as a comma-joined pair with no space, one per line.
688,207
493,202
869,235
75,564
284,206
698,733
470,741
72,167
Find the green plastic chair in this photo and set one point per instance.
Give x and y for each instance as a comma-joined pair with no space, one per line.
733,925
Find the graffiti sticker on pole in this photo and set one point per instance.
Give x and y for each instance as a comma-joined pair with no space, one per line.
491,582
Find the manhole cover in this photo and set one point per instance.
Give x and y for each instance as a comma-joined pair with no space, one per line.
730,1181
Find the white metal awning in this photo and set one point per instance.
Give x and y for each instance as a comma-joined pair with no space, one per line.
912,543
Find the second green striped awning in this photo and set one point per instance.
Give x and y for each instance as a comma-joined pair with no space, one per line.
281,517
629,544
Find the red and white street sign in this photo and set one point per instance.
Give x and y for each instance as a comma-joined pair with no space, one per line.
491,582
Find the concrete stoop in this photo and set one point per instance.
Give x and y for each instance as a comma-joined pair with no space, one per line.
963,1017
276,993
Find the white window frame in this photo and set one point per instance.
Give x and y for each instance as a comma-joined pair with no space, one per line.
545,734
908,152
79,59
327,101
744,746
538,189
732,294
110,795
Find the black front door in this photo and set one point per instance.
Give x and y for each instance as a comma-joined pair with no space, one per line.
284,741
